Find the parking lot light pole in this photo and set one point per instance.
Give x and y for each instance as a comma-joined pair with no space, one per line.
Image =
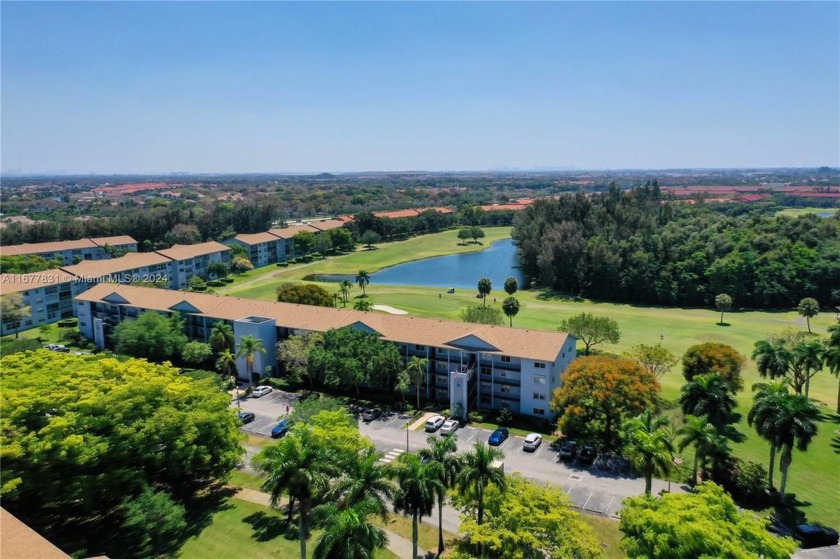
407,426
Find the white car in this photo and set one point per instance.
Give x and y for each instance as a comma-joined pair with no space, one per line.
261,391
434,423
532,442
449,427
57,347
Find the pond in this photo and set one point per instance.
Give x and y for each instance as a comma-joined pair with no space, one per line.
460,271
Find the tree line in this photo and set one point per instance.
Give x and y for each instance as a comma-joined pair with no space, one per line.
637,246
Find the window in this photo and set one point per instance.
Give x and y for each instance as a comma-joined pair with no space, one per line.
504,389
441,381
420,347
539,365
443,352
485,400
539,379
539,396
485,370
505,359
539,411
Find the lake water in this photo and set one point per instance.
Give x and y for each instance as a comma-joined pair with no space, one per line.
461,271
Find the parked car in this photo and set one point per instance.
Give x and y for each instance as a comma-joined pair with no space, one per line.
814,535
434,423
57,347
261,391
370,414
246,417
498,436
568,449
532,442
587,454
280,429
449,427
451,290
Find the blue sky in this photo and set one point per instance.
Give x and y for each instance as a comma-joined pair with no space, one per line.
308,87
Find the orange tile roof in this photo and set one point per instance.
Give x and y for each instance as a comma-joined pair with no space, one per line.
131,261
327,224
113,241
37,248
19,541
256,238
182,252
516,342
397,214
291,231
15,283
500,207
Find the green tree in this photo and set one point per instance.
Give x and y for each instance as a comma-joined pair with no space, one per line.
363,279
226,365
370,238
13,311
712,357
342,239
832,356
709,396
196,352
304,243
654,358
598,392
723,302
511,286
151,335
510,306
528,520
345,286
416,369
591,330
442,450
418,486
301,467
221,337
241,264
367,480
304,294
464,234
348,531
766,403
772,357
808,308
484,288
648,445
218,270
153,518
83,433
307,408
471,215
478,471
348,358
705,523
795,423
476,233
195,283
294,353
249,347
790,356
479,314
808,360
709,442
323,244
363,305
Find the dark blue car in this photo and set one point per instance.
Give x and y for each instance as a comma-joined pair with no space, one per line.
280,429
498,437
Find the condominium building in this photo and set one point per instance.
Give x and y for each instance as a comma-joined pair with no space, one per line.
287,234
263,249
72,252
471,366
48,296
193,260
134,267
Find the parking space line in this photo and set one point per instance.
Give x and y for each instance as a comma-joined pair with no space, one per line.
540,449
390,421
587,500
471,437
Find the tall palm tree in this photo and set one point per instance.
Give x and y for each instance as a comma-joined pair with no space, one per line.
416,369
766,402
649,445
795,421
301,468
345,286
226,364
442,450
832,356
418,486
363,305
368,480
772,357
708,395
363,279
221,337
477,472
807,361
700,433
249,346
348,532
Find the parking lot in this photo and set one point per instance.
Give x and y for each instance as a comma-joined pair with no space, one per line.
268,409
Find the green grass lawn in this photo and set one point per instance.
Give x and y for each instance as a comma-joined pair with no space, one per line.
247,530
796,212
606,529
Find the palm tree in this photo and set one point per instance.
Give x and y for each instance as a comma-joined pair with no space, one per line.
695,431
478,471
808,308
363,305
708,395
649,445
221,337
303,469
345,286
416,369
442,450
772,358
832,356
249,346
225,364
795,421
419,484
348,532
510,306
369,480
363,279
484,288
766,403
807,361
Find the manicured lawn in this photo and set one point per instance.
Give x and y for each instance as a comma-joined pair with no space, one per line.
246,530
796,212
428,534
35,339
247,480
608,533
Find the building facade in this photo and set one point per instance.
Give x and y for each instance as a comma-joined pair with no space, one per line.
48,296
193,260
72,252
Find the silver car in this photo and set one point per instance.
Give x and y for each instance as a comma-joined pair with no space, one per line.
532,442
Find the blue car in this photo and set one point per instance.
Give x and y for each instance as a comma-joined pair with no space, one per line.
280,429
498,437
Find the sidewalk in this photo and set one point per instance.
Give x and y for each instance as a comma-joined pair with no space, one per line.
398,545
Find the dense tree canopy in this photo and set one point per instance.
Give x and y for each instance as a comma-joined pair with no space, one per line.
305,294
480,314
81,433
591,329
635,246
712,357
349,358
152,335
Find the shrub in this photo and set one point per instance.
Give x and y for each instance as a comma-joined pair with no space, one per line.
505,417
226,280
475,417
68,323
214,283
283,264
446,413
72,337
